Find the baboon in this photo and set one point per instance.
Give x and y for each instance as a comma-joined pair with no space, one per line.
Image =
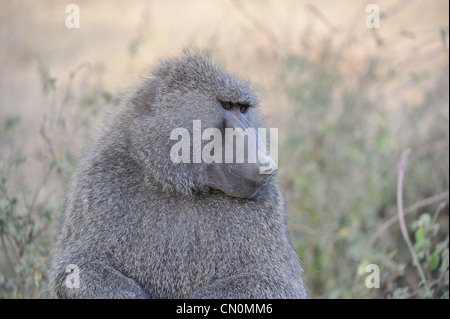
136,224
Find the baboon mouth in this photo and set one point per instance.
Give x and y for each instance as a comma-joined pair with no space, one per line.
256,183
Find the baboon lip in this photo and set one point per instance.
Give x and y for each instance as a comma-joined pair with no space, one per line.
251,181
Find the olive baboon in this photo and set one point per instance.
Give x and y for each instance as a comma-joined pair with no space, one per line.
138,225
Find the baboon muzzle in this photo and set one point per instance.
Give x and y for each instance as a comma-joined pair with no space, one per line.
246,164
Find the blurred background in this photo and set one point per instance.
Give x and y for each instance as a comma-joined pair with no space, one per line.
347,101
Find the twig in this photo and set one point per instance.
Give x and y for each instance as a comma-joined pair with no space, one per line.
401,218
72,75
49,144
322,18
410,209
437,212
254,21
8,258
440,281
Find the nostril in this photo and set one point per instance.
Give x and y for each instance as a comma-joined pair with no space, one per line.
274,170
268,170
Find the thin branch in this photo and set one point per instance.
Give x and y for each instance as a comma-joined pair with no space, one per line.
49,145
8,258
68,92
410,209
441,277
440,281
322,18
401,218
256,23
437,212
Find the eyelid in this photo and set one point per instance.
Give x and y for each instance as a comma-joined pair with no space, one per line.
245,106
226,105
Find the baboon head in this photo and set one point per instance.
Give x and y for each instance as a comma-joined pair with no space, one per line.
193,118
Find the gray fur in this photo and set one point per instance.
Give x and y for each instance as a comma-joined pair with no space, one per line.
139,226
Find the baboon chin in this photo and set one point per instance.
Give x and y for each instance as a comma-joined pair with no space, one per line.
155,210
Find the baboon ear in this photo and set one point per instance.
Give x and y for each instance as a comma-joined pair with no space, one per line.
146,94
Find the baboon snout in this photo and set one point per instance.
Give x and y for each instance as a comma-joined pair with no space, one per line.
268,170
267,165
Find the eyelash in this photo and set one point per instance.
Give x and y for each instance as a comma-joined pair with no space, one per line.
228,106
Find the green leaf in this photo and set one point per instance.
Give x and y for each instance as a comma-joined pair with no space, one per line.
434,260
382,140
420,234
